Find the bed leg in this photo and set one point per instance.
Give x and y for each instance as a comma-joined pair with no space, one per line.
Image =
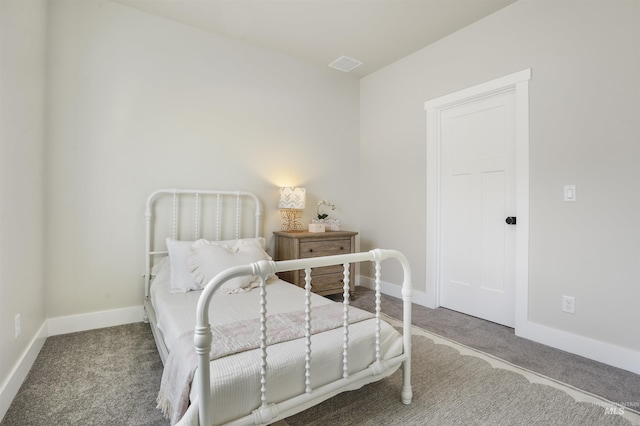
407,393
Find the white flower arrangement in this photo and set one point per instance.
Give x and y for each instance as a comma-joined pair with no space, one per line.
330,224
324,203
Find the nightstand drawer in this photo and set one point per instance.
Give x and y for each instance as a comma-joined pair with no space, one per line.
303,245
337,270
321,283
324,248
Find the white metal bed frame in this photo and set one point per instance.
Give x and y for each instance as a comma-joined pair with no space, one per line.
199,216
271,412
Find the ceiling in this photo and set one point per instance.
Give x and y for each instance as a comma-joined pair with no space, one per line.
375,32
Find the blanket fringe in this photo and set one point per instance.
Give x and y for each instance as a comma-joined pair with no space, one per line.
164,405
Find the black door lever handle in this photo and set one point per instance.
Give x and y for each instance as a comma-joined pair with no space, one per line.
511,220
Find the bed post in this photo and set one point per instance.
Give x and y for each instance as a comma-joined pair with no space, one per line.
147,244
147,255
378,255
407,393
202,338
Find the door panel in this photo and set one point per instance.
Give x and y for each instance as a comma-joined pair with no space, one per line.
459,236
492,226
477,194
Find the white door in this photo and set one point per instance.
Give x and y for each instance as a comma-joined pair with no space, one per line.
478,184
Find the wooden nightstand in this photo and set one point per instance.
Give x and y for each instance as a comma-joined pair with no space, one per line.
301,245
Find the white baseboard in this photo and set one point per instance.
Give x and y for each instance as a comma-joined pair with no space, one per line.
418,297
616,356
11,386
61,325
607,353
94,320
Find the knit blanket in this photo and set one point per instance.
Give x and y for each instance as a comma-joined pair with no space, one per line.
239,336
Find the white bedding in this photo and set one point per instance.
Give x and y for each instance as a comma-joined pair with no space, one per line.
236,378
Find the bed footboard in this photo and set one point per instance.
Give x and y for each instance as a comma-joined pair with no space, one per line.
270,412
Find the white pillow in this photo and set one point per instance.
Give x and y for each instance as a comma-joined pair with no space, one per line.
208,258
159,266
181,279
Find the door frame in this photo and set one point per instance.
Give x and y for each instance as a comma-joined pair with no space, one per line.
519,83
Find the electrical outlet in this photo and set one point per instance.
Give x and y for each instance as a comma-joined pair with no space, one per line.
568,304
17,325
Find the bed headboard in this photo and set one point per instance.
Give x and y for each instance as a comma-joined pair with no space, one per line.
191,214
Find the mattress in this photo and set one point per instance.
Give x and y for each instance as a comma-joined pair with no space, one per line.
235,380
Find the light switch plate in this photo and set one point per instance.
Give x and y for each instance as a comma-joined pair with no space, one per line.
570,193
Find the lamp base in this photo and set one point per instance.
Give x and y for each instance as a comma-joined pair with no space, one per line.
291,222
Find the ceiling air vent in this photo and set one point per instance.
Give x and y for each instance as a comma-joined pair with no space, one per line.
345,64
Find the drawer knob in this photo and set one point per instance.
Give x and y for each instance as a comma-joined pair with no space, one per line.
310,250
341,248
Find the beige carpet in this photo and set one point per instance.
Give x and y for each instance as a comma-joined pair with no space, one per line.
111,377
457,385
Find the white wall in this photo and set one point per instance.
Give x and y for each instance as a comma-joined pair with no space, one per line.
136,102
584,130
139,103
22,126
